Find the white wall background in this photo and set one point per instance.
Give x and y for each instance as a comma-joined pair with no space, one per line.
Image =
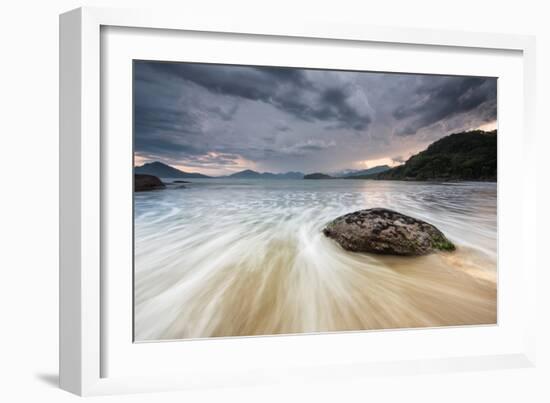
29,187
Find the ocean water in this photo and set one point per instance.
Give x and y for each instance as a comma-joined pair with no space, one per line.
225,257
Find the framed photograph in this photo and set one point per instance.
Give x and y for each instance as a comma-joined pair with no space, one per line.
250,202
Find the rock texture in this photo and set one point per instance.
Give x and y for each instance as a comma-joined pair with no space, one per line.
144,182
387,232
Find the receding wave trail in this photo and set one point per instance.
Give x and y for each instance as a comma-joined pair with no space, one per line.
239,258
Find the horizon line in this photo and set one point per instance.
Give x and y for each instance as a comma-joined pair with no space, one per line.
302,172
264,172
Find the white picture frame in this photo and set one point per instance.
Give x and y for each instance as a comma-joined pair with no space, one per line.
83,307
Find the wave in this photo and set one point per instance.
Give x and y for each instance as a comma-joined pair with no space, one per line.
248,258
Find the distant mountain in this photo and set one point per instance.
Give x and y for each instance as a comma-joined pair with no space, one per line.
286,175
348,173
249,174
165,171
459,156
343,172
246,174
318,175
352,172
374,170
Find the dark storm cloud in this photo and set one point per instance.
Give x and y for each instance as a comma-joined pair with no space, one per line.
287,89
282,128
335,106
245,82
167,119
224,114
438,98
301,149
226,118
170,146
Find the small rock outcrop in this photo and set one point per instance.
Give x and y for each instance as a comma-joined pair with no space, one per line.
387,232
143,182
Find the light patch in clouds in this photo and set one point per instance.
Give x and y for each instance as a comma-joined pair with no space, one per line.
209,164
488,126
377,162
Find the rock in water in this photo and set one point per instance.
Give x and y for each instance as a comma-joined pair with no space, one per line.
143,182
387,232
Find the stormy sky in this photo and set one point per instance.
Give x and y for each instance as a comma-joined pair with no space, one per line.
219,119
